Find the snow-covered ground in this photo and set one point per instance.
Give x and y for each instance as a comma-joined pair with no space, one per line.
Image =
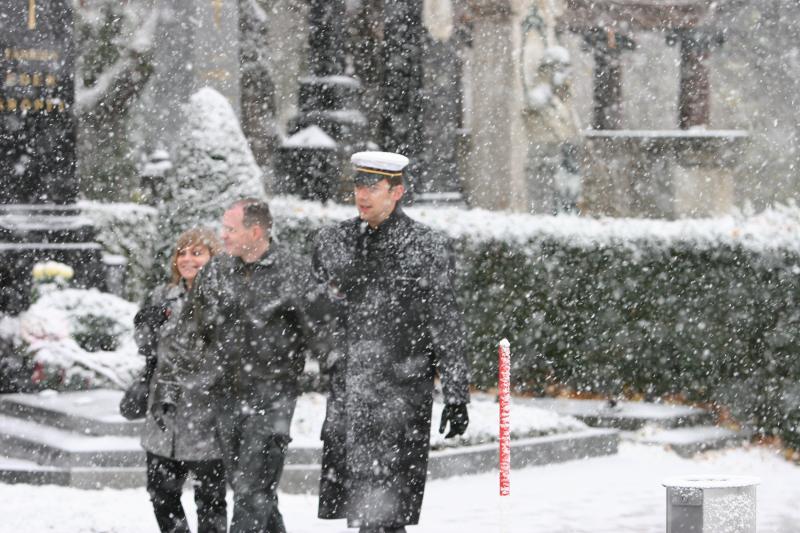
619,494
528,421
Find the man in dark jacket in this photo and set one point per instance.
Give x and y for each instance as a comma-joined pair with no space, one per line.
389,280
253,334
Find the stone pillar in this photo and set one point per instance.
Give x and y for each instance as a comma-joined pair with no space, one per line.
287,26
37,98
401,87
607,46
497,149
197,46
440,177
258,109
326,37
694,102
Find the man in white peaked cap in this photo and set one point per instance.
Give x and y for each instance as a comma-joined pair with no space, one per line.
389,282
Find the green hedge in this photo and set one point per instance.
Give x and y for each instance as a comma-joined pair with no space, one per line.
705,309
719,325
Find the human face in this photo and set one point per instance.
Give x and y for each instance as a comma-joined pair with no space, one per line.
190,260
377,201
238,239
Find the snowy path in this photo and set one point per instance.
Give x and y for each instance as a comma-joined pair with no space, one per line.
620,494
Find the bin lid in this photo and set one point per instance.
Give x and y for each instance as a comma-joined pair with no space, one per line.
720,481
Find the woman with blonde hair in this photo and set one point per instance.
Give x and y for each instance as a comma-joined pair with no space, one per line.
178,432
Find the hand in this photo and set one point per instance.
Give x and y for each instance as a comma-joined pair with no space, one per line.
160,412
152,316
457,415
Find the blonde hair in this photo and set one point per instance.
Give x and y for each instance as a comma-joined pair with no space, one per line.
192,237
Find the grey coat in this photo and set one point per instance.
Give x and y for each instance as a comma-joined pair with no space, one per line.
392,288
188,432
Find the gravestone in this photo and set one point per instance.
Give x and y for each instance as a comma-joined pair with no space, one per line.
37,126
313,161
439,179
38,183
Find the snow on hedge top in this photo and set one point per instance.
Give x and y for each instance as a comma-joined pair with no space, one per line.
776,228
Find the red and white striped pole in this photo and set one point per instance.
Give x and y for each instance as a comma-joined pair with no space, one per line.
504,394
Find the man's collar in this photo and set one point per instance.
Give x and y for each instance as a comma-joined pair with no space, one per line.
391,221
266,259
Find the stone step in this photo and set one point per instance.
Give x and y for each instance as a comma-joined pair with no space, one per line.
626,415
91,412
534,451
45,224
688,441
47,445
304,477
31,473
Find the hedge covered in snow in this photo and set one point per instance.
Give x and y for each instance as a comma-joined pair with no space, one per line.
705,309
127,230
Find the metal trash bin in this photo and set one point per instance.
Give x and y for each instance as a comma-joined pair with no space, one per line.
711,504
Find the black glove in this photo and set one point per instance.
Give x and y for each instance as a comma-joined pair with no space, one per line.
160,412
152,316
457,415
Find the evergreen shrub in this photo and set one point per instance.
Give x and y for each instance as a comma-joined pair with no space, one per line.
707,310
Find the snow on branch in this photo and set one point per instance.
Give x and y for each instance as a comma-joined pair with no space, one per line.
125,78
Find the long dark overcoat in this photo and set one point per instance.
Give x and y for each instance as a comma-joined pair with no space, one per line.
392,291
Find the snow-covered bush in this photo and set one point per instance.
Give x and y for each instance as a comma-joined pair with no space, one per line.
73,339
127,230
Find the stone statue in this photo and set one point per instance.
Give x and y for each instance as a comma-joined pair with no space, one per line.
550,120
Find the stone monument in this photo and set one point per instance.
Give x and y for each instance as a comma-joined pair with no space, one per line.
551,124
37,139
313,161
38,182
498,147
685,172
441,100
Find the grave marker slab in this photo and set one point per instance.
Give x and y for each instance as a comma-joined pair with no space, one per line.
37,93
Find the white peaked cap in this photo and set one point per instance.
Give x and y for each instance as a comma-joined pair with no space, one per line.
388,161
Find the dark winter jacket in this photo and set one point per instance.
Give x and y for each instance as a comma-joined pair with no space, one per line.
186,431
251,323
393,290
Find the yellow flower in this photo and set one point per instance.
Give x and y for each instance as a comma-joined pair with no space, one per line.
52,271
